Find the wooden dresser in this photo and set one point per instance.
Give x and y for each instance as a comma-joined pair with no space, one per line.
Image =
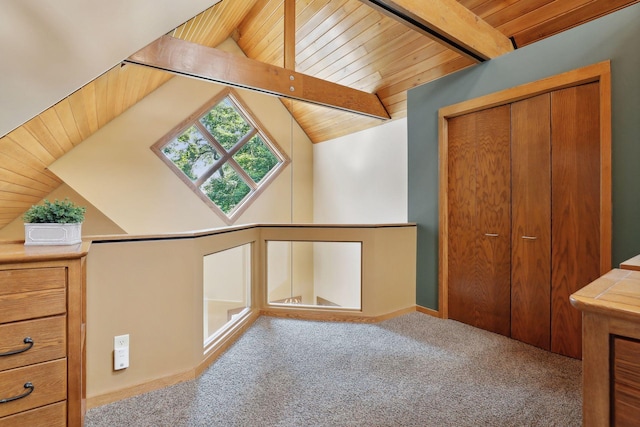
42,335
610,309
631,264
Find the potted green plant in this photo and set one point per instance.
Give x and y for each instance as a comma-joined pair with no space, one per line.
54,223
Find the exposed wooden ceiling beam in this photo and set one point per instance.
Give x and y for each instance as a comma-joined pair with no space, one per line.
194,60
450,23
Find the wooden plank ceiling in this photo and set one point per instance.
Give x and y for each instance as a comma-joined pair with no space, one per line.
342,41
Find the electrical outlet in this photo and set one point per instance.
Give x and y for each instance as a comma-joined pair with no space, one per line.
121,352
120,341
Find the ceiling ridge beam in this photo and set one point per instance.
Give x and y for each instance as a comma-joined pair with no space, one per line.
193,60
449,23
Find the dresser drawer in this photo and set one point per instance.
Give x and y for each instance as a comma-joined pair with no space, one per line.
49,381
30,305
32,279
626,381
48,416
48,337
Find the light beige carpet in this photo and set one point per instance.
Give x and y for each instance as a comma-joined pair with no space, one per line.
414,370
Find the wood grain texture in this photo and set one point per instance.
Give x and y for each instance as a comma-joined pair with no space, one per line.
49,341
631,263
32,279
76,341
606,186
616,293
493,195
31,148
343,41
463,230
47,284
595,370
575,203
54,415
29,305
331,316
48,379
479,219
531,217
598,73
443,216
559,20
626,382
193,60
452,21
289,35
610,307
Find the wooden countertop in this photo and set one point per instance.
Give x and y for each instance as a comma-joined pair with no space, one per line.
616,293
18,252
631,264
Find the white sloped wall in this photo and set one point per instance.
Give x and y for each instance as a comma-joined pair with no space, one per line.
358,179
51,48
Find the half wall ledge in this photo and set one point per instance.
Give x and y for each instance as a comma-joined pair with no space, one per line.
151,287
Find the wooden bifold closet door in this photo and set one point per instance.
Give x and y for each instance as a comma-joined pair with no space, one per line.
524,215
531,221
480,219
575,208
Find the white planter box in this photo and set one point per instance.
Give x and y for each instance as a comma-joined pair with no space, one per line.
52,234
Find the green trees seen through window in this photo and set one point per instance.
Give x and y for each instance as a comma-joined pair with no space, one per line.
224,155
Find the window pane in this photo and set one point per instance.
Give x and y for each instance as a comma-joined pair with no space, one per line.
315,273
226,288
225,188
225,124
256,158
191,153
222,128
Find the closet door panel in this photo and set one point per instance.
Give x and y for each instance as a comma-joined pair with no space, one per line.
493,205
575,203
531,221
462,219
479,215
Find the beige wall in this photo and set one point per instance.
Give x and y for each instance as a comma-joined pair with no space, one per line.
225,274
128,189
337,275
290,271
51,48
143,289
116,171
388,261
153,291
96,223
362,178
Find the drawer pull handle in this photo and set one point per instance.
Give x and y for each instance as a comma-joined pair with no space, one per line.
529,237
28,385
28,341
491,234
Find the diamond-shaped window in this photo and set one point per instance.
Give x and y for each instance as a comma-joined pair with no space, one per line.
225,123
191,153
225,156
256,158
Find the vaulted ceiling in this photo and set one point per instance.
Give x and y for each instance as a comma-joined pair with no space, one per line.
346,42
